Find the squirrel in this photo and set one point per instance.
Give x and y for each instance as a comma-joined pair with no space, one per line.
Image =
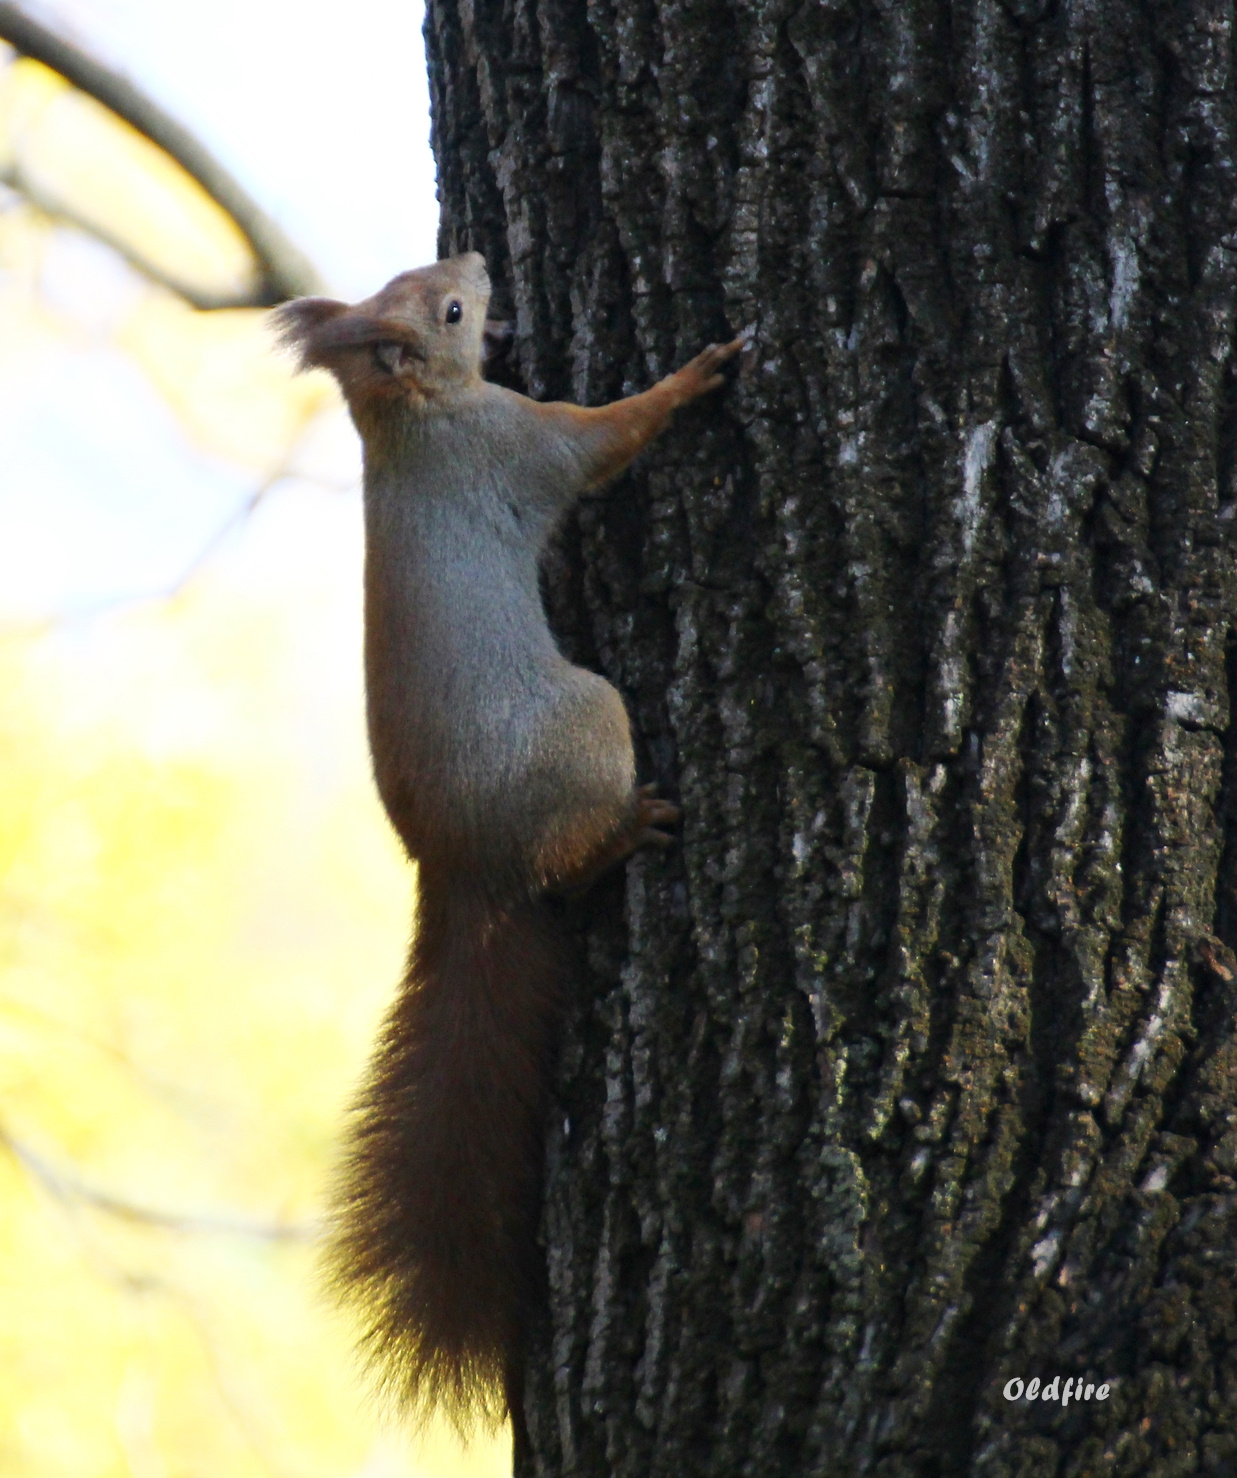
509,775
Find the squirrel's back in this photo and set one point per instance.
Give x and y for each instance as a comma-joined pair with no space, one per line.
485,738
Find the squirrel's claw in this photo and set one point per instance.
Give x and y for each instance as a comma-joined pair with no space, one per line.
642,829
652,813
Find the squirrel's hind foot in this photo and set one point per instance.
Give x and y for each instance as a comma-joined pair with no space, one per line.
651,814
642,828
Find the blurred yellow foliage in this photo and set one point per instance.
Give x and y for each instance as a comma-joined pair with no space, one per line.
201,912
202,908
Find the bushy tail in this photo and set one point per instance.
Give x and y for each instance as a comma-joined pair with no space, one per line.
439,1194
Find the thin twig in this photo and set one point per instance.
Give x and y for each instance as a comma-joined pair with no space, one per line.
285,271
194,1105
67,1188
29,630
233,521
55,210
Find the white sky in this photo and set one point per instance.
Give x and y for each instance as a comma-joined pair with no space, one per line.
322,113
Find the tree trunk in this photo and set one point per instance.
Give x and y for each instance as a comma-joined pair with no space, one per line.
913,1071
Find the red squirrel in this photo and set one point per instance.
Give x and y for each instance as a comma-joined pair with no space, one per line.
509,775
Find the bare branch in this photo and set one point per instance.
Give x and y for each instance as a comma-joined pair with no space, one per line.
55,210
68,1189
194,1105
30,629
233,521
285,271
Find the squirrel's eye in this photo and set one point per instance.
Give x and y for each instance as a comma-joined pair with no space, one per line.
455,311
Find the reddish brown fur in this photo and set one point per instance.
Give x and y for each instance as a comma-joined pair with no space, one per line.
622,429
438,1204
441,1189
440,1192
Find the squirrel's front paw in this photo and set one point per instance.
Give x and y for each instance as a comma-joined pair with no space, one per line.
703,373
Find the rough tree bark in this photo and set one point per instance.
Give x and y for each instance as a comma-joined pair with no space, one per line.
914,1070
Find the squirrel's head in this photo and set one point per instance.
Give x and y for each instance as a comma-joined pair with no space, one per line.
417,338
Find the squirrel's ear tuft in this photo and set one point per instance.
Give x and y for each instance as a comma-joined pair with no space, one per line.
471,266
298,326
